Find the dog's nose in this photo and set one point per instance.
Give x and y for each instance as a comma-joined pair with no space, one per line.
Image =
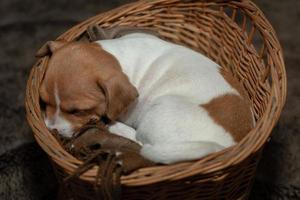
54,130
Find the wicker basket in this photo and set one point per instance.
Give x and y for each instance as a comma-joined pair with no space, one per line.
236,35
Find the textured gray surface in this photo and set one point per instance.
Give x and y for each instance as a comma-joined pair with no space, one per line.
25,25
280,164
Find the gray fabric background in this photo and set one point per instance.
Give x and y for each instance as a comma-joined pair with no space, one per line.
25,25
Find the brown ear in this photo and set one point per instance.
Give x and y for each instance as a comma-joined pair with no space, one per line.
50,47
119,93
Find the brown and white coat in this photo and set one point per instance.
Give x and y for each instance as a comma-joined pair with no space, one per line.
187,107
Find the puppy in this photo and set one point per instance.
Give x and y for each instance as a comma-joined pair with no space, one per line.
188,106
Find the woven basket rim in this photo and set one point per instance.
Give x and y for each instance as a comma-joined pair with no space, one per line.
69,163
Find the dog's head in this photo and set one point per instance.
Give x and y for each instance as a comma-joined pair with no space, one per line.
82,83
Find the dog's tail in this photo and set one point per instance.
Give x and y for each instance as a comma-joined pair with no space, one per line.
176,152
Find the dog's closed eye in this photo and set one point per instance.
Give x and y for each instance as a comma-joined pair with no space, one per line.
78,112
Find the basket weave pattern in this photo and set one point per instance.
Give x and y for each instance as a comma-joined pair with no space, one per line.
236,35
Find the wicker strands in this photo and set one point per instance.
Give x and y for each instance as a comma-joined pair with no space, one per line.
236,35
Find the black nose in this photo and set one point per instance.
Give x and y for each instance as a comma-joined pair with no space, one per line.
54,130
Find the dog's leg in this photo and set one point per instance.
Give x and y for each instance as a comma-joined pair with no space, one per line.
122,129
176,152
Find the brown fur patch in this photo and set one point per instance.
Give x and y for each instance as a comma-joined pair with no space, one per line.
231,111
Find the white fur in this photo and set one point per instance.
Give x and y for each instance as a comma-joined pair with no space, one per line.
160,153
121,129
63,126
172,82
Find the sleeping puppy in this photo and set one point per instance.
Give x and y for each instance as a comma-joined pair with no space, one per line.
187,107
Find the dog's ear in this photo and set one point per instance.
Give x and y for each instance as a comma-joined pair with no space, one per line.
50,47
119,94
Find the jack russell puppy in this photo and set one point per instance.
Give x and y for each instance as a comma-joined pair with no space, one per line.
177,103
